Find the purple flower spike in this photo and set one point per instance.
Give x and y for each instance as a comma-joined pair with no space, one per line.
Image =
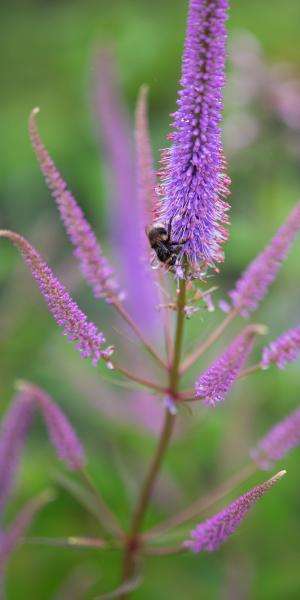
278,442
213,384
89,340
94,266
194,184
253,285
13,432
10,538
282,350
214,532
61,432
126,219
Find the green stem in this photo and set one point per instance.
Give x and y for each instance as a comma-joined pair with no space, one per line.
144,382
121,310
110,525
133,541
194,356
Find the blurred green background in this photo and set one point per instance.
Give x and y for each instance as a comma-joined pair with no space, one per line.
45,51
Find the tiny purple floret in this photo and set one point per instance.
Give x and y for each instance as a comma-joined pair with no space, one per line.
194,184
214,532
282,438
282,350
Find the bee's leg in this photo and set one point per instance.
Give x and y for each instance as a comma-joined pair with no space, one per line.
169,230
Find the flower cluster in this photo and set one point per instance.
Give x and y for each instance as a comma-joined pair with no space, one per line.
214,384
282,350
214,532
194,184
94,266
89,340
253,284
282,438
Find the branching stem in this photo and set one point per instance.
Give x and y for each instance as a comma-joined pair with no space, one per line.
138,332
133,541
198,352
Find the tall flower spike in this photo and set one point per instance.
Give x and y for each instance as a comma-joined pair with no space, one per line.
94,266
13,432
215,383
214,532
194,184
89,340
12,536
146,179
282,438
253,284
282,350
127,227
61,432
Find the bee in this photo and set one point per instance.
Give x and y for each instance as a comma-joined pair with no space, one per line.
161,242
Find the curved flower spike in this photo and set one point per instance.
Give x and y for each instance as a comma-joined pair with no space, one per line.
214,532
194,184
13,431
253,284
282,350
282,438
215,382
61,432
89,340
94,266
12,536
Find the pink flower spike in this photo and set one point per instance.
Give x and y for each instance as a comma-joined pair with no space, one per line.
13,431
60,430
127,221
282,438
12,536
215,382
94,266
253,284
214,532
145,173
282,350
67,314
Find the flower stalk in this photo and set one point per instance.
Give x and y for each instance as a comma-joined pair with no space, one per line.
167,429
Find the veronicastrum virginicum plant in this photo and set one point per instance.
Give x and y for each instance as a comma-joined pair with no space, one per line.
190,201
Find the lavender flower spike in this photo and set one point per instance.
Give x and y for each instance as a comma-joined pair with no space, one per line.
10,538
214,532
282,350
194,184
61,432
253,285
13,431
94,266
278,442
213,384
65,311
146,179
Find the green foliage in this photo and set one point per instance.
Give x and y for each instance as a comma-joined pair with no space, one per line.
46,49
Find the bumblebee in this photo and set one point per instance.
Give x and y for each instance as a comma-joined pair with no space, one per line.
161,242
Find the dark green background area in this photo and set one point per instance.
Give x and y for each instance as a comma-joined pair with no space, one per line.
45,54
